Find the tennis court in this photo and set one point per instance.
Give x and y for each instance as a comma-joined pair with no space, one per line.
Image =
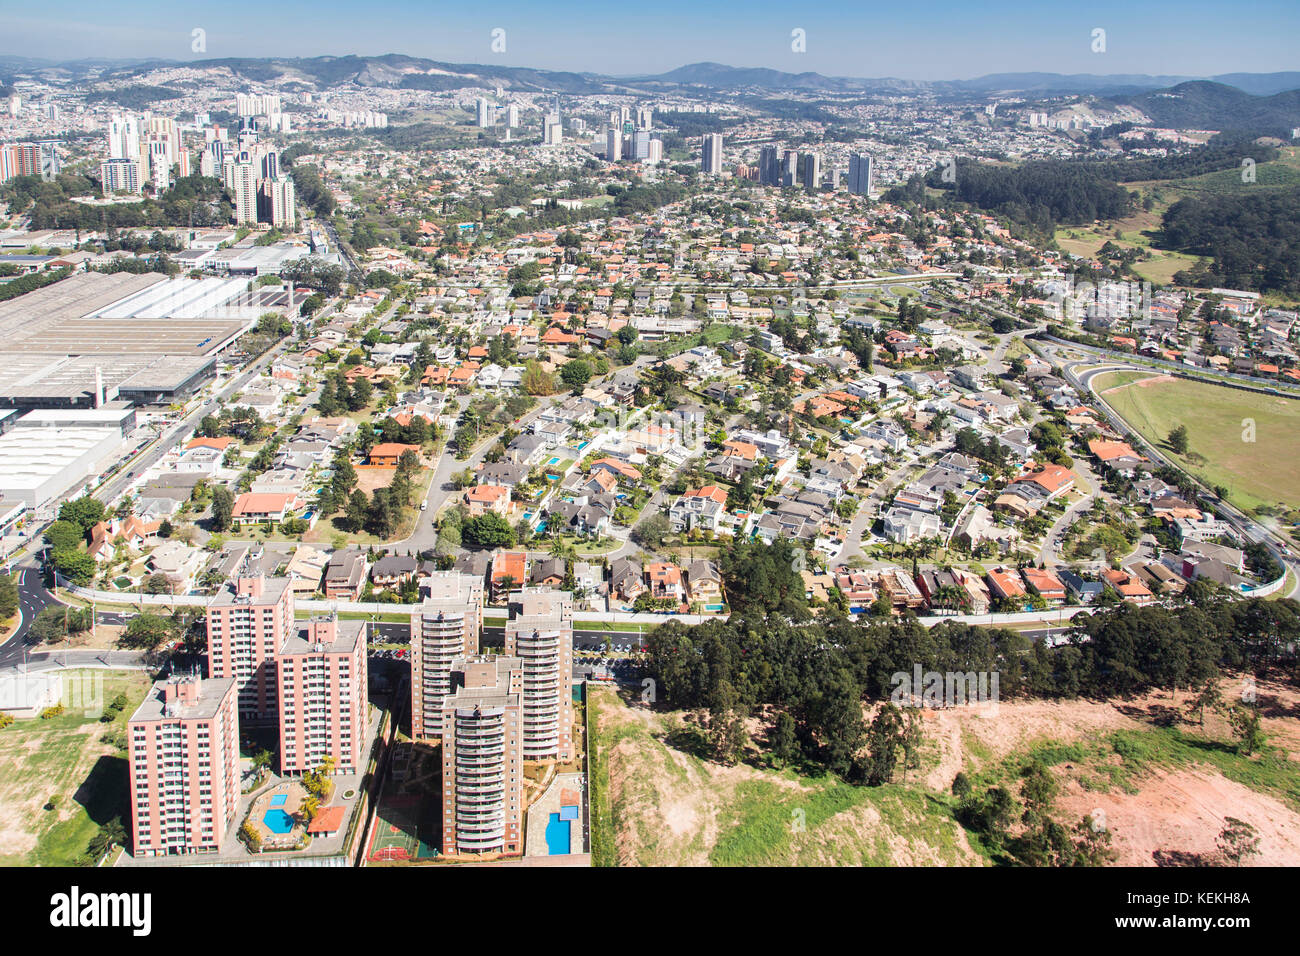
405,829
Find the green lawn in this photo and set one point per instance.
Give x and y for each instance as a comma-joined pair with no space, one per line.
63,758
1218,421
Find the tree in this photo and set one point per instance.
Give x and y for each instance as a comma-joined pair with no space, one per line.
85,512
8,597
1209,697
782,738
63,535
913,734
575,374
884,739
1178,440
488,530
147,632
1238,840
1246,727
223,507
652,532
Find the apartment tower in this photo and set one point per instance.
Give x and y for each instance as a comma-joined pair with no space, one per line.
540,634
184,766
446,626
321,679
482,763
248,622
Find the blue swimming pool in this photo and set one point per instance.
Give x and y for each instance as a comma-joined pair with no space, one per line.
277,821
554,461
279,799
557,836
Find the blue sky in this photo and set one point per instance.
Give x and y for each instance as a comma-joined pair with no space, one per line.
925,39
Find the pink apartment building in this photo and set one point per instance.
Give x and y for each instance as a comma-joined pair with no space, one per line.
184,766
248,622
321,682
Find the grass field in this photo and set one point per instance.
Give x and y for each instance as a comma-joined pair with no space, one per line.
63,759
1217,419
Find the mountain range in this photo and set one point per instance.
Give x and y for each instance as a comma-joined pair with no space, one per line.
1267,102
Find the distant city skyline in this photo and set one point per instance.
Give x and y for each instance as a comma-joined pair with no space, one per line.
941,40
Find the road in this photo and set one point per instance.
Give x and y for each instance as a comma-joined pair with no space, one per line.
115,486
441,488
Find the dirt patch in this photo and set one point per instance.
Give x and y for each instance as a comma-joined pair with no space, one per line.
1180,814
970,737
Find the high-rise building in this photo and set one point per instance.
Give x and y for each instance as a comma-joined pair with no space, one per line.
711,154
278,197
512,116
614,145
812,172
640,145
120,175
482,767
540,633
240,174
248,622
23,159
123,137
769,166
321,680
789,168
486,113
446,626
644,117
552,132
655,152
860,174
183,760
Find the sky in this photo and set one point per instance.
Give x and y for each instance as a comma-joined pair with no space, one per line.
924,40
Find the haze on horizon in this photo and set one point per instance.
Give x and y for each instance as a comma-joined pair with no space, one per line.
941,40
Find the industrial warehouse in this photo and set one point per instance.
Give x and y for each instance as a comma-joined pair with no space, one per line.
96,338
79,356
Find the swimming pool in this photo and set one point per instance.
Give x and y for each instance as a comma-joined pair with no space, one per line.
279,799
554,461
557,836
277,821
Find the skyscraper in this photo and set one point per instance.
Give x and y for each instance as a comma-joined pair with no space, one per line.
789,168
482,768
446,626
540,633
812,172
711,154
248,621
769,166
279,196
552,132
860,174
614,145
512,116
183,760
486,113
644,117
